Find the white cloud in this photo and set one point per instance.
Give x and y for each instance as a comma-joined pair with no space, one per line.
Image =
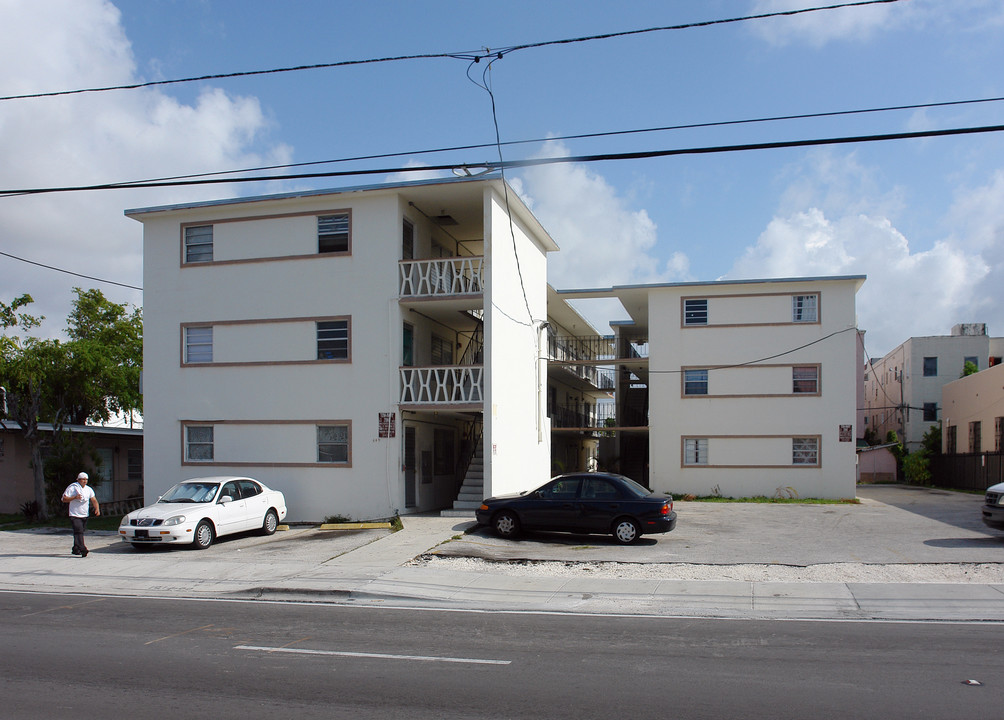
908,292
97,138
604,242
400,177
860,24
819,28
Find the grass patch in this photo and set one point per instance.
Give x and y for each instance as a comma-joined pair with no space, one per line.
763,499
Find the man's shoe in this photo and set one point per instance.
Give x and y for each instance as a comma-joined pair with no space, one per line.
83,553
75,551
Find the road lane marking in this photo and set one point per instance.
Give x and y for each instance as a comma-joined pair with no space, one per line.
63,607
379,656
183,632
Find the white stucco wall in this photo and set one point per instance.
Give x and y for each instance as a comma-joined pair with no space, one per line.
517,448
265,392
750,425
267,414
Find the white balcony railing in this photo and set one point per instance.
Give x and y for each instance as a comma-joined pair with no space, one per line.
442,385
441,277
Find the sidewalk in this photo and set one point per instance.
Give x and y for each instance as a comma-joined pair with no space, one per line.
376,567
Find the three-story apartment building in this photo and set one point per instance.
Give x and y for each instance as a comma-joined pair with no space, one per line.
356,349
738,388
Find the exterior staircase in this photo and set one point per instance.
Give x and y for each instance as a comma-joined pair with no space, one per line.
472,492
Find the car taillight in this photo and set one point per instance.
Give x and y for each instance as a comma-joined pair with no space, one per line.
666,507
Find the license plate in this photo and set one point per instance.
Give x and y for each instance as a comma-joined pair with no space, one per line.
142,533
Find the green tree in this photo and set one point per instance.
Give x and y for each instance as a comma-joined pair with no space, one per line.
91,376
969,369
917,465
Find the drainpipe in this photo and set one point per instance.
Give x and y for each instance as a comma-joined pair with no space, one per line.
541,329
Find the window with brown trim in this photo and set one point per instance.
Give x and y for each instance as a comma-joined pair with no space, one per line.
333,233
805,379
805,451
199,243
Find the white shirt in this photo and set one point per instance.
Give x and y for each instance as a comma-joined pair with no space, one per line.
80,504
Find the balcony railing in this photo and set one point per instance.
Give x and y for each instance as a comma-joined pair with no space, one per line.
599,377
594,417
442,277
602,416
443,385
595,348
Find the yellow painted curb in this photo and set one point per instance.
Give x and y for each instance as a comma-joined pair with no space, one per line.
356,526
283,527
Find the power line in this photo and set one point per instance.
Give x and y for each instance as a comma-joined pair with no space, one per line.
766,358
468,56
580,136
70,272
533,162
692,25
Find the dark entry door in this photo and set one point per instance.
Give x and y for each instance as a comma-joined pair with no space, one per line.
410,473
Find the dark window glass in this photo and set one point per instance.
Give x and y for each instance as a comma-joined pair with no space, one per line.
333,340
333,233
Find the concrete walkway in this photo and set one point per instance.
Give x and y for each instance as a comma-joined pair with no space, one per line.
376,567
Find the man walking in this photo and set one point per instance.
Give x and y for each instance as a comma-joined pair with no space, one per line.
80,497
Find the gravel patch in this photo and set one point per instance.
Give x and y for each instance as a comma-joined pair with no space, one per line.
975,573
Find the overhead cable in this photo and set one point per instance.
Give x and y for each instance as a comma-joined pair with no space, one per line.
467,56
531,162
70,272
580,136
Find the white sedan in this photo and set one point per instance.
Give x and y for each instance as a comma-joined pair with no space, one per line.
198,511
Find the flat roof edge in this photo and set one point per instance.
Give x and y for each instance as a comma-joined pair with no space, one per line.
308,193
711,283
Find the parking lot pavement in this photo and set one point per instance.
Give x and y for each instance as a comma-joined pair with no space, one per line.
892,524
445,562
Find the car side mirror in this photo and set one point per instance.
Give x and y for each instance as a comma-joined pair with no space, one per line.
225,499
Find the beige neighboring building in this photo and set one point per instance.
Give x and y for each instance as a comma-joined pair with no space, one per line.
738,388
903,388
121,471
973,413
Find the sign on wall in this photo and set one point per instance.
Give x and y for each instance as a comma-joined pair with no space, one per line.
388,426
846,433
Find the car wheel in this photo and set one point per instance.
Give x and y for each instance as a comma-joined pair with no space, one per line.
626,531
270,524
506,524
204,535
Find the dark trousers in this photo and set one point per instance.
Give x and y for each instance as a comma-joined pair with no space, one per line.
79,526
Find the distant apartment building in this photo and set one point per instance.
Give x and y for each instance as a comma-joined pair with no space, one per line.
737,388
903,389
973,413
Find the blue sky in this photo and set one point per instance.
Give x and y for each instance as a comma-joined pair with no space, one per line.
923,219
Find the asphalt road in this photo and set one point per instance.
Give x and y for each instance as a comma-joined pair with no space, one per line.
91,657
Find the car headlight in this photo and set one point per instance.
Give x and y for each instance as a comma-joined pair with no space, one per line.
125,521
176,520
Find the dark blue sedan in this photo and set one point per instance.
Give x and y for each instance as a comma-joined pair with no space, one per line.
582,503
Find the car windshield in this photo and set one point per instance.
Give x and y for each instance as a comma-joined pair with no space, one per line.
190,493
